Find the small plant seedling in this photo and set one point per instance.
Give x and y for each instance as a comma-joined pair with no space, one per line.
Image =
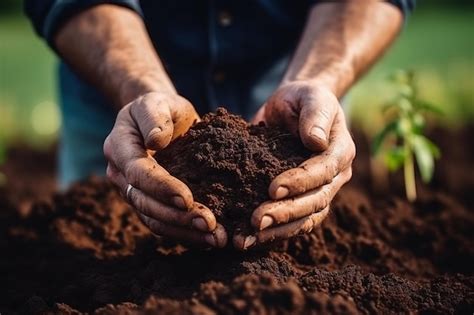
406,131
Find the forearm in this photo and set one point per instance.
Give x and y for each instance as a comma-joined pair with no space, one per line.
341,40
110,48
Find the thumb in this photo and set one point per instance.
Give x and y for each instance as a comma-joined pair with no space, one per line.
259,116
316,118
152,115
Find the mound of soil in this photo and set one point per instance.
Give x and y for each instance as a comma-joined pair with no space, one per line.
86,251
228,164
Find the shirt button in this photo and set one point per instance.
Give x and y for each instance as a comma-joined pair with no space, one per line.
218,76
225,18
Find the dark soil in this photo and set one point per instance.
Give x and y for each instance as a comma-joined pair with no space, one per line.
232,164
86,251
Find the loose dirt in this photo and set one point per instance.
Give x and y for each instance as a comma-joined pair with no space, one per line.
85,251
232,164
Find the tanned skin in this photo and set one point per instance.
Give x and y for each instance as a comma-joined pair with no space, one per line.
109,47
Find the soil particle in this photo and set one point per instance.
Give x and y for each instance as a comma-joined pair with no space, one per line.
228,164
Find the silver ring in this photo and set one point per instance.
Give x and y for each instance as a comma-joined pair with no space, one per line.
128,192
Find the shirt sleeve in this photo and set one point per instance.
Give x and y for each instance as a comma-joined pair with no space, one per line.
48,15
406,6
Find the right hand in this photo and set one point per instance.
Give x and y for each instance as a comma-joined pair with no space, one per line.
163,203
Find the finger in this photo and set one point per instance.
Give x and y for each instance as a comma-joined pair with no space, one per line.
320,169
199,216
287,210
284,111
303,225
114,175
152,116
183,115
259,116
218,238
148,176
140,169
318,110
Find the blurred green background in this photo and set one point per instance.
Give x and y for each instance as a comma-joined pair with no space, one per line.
437,42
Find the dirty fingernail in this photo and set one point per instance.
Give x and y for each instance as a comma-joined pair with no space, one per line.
178,201
318,132
154,131
249,241
281,192
200,224
210,239
266,222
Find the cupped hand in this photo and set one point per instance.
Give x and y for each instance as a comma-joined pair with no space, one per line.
300,197
163,203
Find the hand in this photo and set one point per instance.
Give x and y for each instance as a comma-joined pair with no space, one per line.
163,203
301,196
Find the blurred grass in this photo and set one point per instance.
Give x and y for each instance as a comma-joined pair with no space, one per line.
439,46
437,43
27,80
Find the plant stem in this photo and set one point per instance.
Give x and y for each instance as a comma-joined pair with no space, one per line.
409,173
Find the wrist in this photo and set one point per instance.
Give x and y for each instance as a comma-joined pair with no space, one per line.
336,78
132,88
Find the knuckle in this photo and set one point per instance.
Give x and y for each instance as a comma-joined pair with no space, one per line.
348,174
110,173
107,147
156,226
146,220
325,115
351,150
307,226
125,111
133,171
138,201
332,168
298,180
324,198
283,216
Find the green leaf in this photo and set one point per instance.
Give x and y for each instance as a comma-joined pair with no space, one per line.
394,158
428,107
404,126
418,123
380,137
389,105
425,152
433,147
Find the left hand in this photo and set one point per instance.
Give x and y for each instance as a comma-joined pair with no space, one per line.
300,197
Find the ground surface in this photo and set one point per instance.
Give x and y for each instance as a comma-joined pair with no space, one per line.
85,251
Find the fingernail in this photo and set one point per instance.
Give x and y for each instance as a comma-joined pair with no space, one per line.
154,130
319,133
281,192
249,241
266,222
210,239
178,201
200,224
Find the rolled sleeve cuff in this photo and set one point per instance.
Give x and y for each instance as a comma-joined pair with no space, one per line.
61,10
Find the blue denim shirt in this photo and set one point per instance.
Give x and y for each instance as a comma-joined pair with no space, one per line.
217,52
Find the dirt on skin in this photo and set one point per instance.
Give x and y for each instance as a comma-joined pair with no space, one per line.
232,163
86,251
